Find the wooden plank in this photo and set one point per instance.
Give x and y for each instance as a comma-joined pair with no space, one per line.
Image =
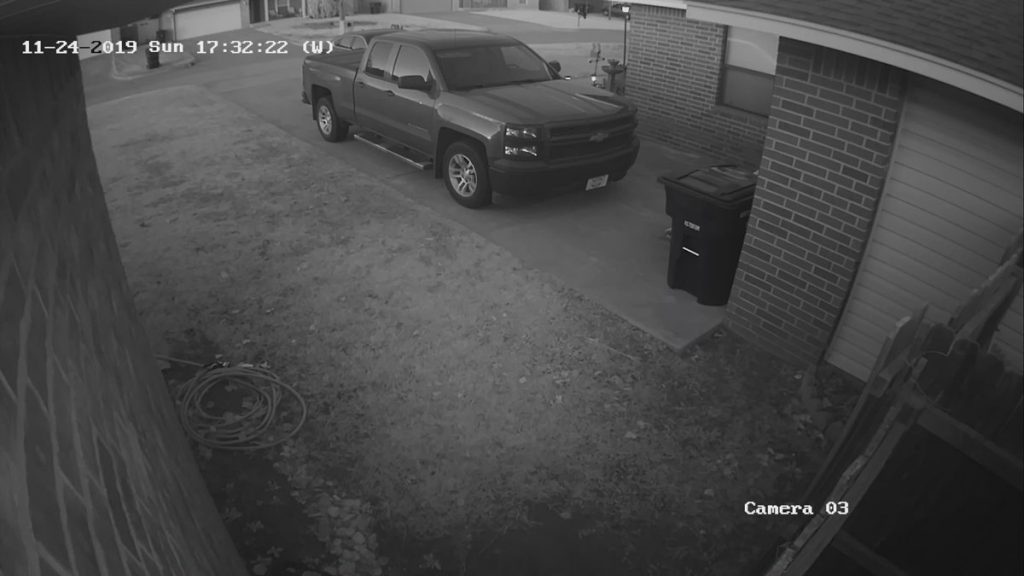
950,370
870,408
852,487
1009,337
1012,433
937,344
979,393
865,557
968,441
895,350
1006,396
999,312
982,296
1015,247
990,307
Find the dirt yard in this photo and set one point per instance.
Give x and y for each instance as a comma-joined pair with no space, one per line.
474,416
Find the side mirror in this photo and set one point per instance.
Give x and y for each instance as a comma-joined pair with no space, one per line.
413,83
555,66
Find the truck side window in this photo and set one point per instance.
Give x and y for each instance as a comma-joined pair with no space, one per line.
411,61
378,59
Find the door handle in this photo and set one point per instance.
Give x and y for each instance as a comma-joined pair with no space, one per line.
360,83
389,93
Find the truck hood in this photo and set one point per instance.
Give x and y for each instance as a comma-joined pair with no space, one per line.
539,103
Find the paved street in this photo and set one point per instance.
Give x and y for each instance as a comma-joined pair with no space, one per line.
608,245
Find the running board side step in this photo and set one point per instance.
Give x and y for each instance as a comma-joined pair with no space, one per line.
411,157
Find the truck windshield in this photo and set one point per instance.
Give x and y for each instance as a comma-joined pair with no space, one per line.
486,66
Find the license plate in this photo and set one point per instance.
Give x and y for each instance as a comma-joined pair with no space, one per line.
597,182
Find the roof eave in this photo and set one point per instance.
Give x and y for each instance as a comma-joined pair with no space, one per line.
915,61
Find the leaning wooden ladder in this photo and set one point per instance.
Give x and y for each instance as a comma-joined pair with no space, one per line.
938,378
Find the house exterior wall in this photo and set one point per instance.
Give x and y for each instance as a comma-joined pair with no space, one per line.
524,4
826,154
425,6
673,70
554,5
97,476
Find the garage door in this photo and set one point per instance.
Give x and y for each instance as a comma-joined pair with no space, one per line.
206,20
952,204
426,6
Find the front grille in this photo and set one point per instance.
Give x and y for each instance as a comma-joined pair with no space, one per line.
576,149
586,130
577,140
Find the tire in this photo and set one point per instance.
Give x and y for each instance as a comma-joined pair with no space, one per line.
331,128
465,175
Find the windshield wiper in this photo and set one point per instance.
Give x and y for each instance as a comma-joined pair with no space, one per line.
513,82
496,84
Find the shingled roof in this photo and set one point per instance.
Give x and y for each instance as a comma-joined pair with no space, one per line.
983,35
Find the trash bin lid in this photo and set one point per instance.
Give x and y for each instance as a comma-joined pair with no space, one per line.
726,185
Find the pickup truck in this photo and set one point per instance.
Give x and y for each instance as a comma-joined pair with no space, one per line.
483,109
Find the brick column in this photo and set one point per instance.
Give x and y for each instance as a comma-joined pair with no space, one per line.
827,151
96,477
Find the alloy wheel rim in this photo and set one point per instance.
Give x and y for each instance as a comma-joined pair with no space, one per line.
462,175
325,120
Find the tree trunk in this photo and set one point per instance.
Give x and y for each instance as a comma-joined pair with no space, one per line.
322,8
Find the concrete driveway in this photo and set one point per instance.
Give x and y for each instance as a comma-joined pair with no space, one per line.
608,245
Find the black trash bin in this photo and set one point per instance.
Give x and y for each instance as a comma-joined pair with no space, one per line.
709,207
152,59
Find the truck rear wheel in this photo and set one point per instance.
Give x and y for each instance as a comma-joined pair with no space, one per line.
331,128
465,174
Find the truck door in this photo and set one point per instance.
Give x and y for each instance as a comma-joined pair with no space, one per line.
412,111
373,84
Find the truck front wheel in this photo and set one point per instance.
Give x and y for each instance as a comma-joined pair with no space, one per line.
331,127
465,175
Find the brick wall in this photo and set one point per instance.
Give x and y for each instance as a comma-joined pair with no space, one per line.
96,477
827,150
674,66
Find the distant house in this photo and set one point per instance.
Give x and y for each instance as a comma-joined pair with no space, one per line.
433,6
888,138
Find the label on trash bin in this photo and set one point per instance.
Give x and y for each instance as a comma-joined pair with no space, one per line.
691,225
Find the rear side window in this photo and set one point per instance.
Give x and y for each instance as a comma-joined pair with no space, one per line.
358,43
376,64
411,61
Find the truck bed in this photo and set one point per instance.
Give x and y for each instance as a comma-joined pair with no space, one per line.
348,59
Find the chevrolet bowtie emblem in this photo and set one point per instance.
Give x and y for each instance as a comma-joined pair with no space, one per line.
599,137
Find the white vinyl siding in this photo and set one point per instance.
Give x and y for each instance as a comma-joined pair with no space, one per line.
206,20
952,204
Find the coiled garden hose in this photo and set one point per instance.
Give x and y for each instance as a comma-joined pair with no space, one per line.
263,392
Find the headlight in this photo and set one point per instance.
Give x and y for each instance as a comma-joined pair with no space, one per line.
522,132
521,151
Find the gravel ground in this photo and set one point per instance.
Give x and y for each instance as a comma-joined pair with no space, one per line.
452,390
